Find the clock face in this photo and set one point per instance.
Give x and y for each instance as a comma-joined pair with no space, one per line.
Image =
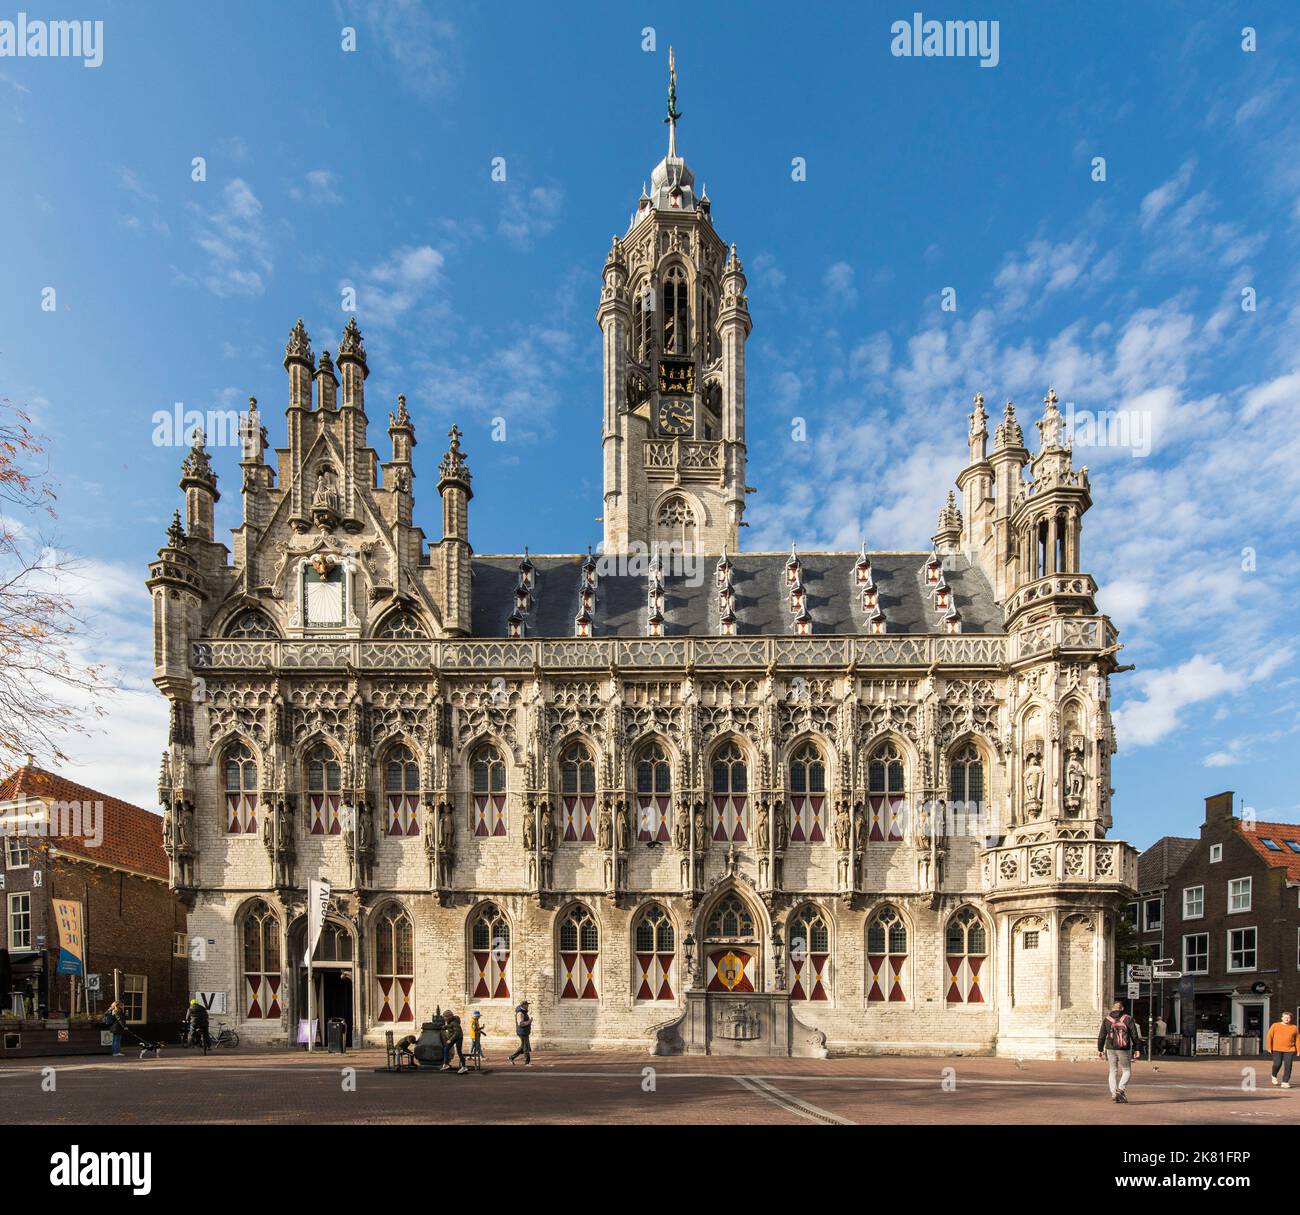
676,417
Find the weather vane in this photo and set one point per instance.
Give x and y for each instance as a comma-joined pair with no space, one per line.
673,113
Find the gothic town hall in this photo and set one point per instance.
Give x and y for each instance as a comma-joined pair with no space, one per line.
680,796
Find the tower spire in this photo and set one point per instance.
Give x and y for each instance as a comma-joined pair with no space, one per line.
673,113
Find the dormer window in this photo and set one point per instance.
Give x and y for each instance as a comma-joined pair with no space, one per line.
588,599
877,623
952,621
526,572
656,623
796,597
862,571
933,570
523,600
728,623
870,600
942,595
582,624
516,625
793,571
803,624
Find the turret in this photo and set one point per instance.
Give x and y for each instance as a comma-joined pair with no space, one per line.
398,473
454,549
1008,459
298,363
352,366
199,483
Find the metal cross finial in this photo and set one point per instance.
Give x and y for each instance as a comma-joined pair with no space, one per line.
673,113
454,435
1051,398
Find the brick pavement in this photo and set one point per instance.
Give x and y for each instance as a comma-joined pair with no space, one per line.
283,1087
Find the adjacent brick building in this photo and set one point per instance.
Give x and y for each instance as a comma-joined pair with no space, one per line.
62,840
1231,919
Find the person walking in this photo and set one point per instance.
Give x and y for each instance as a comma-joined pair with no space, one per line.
452,1036
1119,1042
115,1021
1282,1043
476,1033
524,1028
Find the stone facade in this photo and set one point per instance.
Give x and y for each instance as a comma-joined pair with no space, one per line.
676,795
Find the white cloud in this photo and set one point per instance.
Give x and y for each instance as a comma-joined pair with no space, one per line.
838,282
316,188
233,235
1166,692
529,214
399,283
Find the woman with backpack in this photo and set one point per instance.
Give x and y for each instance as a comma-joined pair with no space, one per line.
1119,1043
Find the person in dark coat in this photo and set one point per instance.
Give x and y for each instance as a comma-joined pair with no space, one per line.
1119,1042
524,1028
115,1021
453,1036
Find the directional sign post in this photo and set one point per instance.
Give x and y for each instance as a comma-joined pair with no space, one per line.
1135,990
1167,974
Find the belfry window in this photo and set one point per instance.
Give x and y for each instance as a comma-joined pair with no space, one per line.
710,337
642,300
401,792
677,321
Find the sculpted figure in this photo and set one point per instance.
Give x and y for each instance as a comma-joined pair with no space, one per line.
842,826
682,830
622,833
548,828
762,831
782,828
446,828
1033,780
603,826
530,827
701,834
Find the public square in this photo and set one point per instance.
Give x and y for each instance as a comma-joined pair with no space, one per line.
626,1088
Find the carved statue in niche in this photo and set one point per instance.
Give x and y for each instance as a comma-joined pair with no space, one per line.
701,833
530,826
842,827
762,830
682,829
547,828
859,827
782,827
1033,779
603,826
365,829
622,832
325,495
1076,777
446,829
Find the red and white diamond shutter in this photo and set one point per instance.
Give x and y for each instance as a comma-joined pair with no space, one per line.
806,822
654,976
729,817
652,818
241,786
654,944
810,955
262,997
324,811
730,782
241,814
395,998
807,795
653,794
403,816
966,952
490,954
489,814
886,794
578,817
886,957
579,955
965,976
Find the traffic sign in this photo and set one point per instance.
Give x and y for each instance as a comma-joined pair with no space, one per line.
1168,974
1139,972
92,982
1162,961
1135,991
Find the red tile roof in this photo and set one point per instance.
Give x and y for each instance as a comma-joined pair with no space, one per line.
1287,859
132,837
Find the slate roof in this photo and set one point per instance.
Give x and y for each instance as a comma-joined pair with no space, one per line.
132,836
762,600
1159,862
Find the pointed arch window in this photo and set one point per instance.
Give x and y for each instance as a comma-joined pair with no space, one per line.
654,789
810,955
808,795
401,792
488,792
966,780
677,319
262,974
730,788
729,964
395,965
886,957
655,944
886,793
324,782
251,625
709,323
489,938
731,920
579,955
241,790
578,793
401,625
966,951
642,309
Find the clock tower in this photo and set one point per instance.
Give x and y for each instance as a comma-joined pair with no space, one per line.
674,318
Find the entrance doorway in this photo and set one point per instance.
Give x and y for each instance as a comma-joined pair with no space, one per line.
1252,1022
333,981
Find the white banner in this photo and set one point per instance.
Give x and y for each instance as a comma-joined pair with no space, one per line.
318,900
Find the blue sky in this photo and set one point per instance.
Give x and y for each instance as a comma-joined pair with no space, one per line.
372,168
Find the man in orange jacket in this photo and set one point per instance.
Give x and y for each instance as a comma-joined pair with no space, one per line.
1282,1043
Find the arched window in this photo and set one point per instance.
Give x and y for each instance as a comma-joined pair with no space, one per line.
886,956
241,790
886,793
807,795
487,773
324,779
401,625
677,319
335,944
578,793
489,938
965,950
676,522
395,965
730,782
731,920
579,955
262,976
810,955
710,337
966,780
654,788
641,308
252,625
402,792
655,946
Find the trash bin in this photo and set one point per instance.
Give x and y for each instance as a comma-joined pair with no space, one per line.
336,1036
